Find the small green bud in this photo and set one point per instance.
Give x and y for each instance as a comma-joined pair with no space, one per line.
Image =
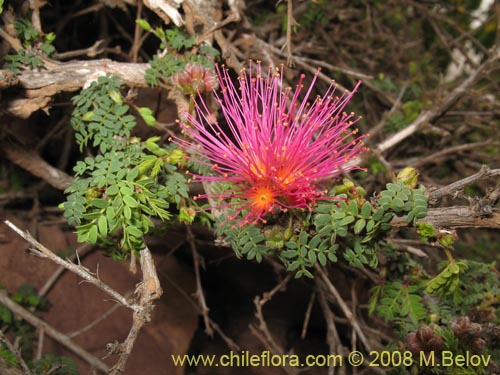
187,215
447,238
50,37
147,115
160,33
409,176
434,318
345,187
361,191
426,230
151,144
91,193
88,116
135,140
116,96
176,157
143,24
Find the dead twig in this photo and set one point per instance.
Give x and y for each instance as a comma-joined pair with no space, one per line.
308,315
35,14
60,337
200,296
229,341
147,291
456,217
290,23
81,251
259,302
95,322
15,352
33,163
332,335
343,306
484,173
431,115
261,331
81,271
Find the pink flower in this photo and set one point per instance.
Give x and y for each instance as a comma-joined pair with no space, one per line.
274,148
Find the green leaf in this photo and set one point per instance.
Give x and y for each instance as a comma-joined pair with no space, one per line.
134,231
102,224
312,256
359,226
129,201
347,220
289,254
398,203
322,220
322,259
99,203
116,96
394,187
112,190
127,212
92,234
366,210
294,265
314,242
377,216
353,208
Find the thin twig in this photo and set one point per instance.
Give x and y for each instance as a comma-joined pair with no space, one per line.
431,115
435,157
261,331
136,45
456,217
147,291
200,296
14,42
332,335
95,322
15,352
308,315
39,344
343,306
290,22
32,162
52,332
92,51
484,173
229,341
35,14
85,274
81,251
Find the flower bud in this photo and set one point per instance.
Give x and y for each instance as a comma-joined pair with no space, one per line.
409,176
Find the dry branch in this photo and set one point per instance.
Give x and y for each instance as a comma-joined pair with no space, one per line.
146,292
484,173
81,271
200,296
343,306
456,217
429,116
14,351
34,164
52,332
73,75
